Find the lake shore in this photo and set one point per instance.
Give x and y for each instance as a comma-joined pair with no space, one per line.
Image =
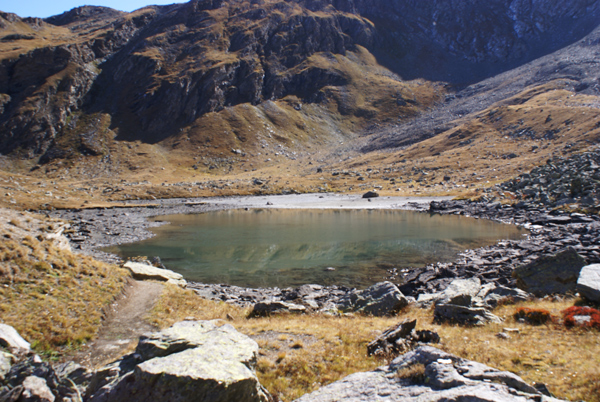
95,228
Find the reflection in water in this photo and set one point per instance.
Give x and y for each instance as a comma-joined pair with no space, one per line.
292,247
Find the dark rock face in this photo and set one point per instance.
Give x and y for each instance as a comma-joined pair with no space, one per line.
549,275
158,69
40,89
465,41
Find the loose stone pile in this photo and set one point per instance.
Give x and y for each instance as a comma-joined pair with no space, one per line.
550,233
561,181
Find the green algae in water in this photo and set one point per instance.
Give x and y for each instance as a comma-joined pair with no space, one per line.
270,247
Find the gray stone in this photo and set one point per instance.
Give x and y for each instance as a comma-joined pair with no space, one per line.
145,272
588,283
5,364
35,389
446,378
276,307
464,315
461,292
191,361
551,275
10,338
502,294
383,298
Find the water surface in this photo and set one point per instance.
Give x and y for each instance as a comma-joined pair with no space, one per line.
278,247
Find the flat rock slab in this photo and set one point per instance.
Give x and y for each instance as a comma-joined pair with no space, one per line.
191,361
143,272
446,378
588,284
557,274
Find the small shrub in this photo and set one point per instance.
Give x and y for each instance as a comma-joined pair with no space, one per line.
571,313
533,316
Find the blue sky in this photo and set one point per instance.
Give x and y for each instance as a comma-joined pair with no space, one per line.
46,8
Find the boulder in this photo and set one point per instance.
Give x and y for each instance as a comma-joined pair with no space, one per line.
191,361
144,272
35,389
383,298
588,283
276,307
551,275
462,292
370,194
10,338
464,315
443,377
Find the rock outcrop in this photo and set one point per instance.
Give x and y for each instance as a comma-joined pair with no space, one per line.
428,374
192,360
157,70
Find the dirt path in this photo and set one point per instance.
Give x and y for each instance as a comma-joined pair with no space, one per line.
123,326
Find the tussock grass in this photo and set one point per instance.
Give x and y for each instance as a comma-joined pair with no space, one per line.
566,360
53,297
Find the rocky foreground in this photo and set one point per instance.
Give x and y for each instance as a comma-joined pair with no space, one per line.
210,360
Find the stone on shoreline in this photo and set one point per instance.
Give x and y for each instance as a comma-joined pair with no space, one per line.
588,284
370,194
383,298
144,272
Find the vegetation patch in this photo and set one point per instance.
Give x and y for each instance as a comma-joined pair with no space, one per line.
534,316
585,317
334,347
52,296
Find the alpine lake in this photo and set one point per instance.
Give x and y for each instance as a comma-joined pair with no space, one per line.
291,247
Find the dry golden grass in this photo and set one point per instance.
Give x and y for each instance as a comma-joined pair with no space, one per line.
300,353
53,297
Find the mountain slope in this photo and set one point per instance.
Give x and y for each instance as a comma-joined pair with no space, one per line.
218,81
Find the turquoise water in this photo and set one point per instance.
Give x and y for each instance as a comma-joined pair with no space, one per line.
267,247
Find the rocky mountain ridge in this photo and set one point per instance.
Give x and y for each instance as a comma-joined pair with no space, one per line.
71,83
